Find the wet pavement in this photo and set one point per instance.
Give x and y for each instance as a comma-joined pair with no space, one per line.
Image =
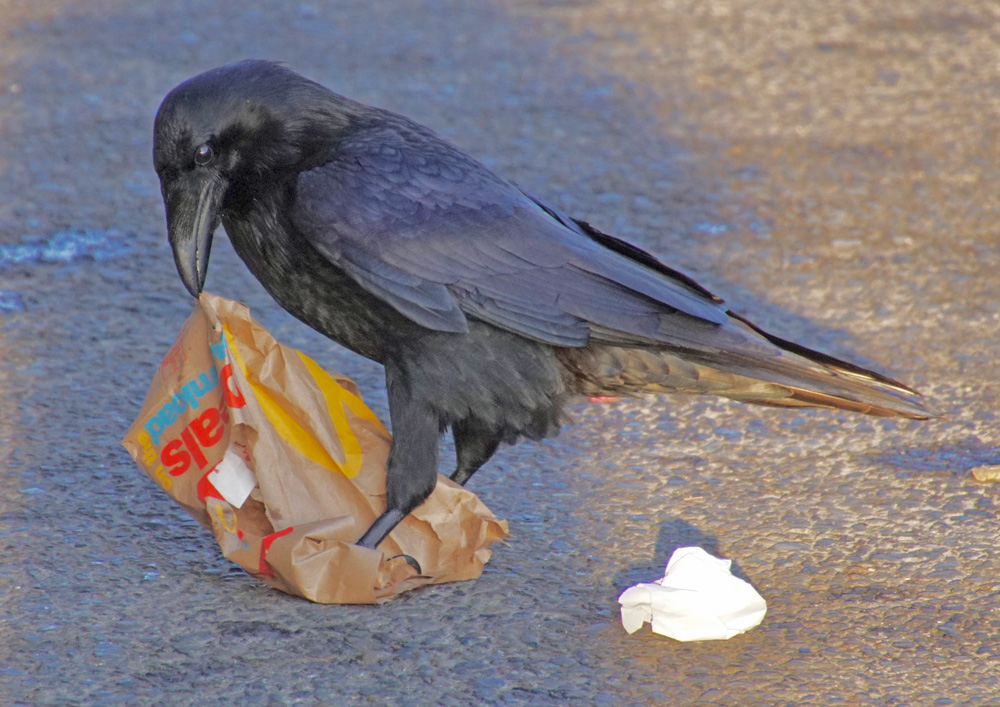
830,171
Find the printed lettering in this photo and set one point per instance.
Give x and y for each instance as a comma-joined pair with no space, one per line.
234,398
219,350
176,458
205,383
163,477
204,431
187,398
184,398
223,411
154,428
193,447
148,451
206,427
168,414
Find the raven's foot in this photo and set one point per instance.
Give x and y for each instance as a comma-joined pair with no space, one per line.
382,526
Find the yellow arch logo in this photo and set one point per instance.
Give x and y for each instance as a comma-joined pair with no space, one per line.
300,438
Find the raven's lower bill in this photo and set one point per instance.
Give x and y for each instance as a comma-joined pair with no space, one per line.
487,307
191,224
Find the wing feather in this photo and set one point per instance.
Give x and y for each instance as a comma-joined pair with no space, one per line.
441,238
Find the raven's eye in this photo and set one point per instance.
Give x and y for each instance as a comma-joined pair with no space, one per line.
203,155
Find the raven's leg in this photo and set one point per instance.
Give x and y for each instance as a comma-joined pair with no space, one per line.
413,460
474,445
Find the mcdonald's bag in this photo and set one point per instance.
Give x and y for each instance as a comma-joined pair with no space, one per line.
285,464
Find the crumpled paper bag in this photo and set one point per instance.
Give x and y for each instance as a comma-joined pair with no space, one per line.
698,599
286,465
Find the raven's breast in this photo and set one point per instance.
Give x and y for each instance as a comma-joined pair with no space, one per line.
312,289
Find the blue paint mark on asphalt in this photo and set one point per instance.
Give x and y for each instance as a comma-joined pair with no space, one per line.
11,301
66,247
712,229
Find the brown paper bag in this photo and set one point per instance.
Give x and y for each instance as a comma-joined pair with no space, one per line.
286,465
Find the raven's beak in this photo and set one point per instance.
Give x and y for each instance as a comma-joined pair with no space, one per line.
192,217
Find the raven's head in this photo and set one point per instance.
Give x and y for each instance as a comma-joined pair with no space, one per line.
225,134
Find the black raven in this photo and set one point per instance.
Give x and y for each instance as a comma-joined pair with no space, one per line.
487,307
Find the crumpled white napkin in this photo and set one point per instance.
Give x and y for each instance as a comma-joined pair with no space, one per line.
698,599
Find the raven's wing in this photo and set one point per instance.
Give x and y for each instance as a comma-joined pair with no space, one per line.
439,237
442,239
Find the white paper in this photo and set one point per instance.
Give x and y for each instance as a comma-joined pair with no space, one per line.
990,472
698,599
233,479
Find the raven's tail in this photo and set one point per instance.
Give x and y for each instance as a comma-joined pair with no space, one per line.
790,376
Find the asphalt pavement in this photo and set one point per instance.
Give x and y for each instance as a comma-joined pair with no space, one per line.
830,169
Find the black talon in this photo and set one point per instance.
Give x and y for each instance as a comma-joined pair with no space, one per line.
410,561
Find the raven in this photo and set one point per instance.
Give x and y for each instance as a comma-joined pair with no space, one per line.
487,307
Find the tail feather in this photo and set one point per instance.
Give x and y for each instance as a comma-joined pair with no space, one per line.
812,399
753,367
815,379
794,376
